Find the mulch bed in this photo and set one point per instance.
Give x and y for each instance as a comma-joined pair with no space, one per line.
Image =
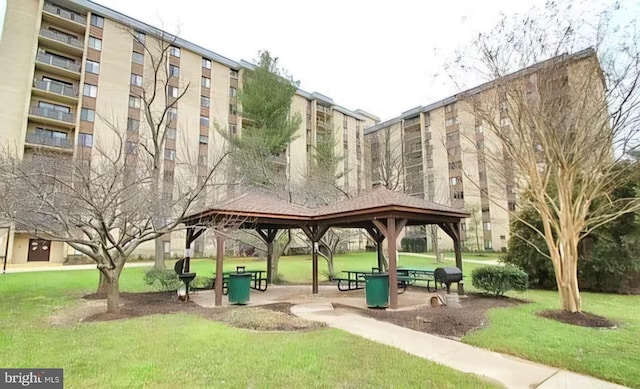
583,319
444,321
273,317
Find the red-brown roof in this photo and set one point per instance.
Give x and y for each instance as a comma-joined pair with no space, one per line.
262,205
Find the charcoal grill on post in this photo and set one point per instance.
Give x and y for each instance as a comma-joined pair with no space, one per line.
447,276
182,269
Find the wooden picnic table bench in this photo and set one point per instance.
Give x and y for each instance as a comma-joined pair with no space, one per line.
258,279
409,276
354,280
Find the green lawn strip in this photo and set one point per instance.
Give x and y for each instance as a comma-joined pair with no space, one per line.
612,355
181,350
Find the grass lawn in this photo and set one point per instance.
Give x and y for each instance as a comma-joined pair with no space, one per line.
186,350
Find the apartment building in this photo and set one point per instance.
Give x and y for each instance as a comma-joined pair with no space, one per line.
73,68
438,152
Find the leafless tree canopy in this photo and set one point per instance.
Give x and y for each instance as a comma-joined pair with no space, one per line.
557,129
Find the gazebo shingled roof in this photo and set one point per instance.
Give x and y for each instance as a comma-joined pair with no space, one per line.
383,213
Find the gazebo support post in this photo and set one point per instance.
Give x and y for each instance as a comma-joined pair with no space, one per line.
391,232
377,237
219,263
453,230
269,236
314,233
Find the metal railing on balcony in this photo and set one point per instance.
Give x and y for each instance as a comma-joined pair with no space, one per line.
52,114
36,139
60,37
63,13
58,62
55,87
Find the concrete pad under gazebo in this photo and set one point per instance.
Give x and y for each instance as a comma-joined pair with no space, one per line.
381,212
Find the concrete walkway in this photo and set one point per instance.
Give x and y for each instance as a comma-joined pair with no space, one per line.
509,371
477,261
30,267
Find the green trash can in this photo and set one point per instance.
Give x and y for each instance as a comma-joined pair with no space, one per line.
376,289
239,286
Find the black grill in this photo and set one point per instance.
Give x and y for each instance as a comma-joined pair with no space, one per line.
447,276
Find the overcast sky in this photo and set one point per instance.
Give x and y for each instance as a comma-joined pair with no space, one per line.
380,56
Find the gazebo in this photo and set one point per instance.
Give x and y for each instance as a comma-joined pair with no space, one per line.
381,212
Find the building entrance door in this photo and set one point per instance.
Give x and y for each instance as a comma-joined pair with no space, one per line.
39,250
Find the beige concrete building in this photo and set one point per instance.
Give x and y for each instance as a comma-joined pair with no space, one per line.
439,152
72,67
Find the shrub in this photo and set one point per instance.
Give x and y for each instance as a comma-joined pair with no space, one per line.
162,279
499,279
413,244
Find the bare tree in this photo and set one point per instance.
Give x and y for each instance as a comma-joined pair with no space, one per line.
104,208
159,94
556,130
386,161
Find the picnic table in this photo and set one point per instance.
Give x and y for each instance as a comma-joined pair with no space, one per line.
354,280
409,276
258,279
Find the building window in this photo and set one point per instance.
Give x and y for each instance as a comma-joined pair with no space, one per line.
137,58
136,79
171,133
204,121
503,237
486,226
206,63
133,124
135,102
85,140
140,36
512,206
488,245
206,82
92,67
204,140
463,226
233,92
454,180
97,21
174,51
173,91
205,102
170,155
450,122
131,148
458,195
95,43
232,109
233,73
202,160
172,113
88,115
174,71
232,128
450,107
90,90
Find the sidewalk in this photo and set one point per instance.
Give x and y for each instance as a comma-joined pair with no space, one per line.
487,262
23,268
509,371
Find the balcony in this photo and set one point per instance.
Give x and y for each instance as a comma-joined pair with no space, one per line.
41,140
52,116
58,65
78,20
62,41
55,90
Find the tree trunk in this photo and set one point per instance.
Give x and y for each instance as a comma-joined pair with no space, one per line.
159,254
103,286
434,242
113,295
566,270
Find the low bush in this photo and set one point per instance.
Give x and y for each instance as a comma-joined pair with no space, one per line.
499,279
162,279
413,244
